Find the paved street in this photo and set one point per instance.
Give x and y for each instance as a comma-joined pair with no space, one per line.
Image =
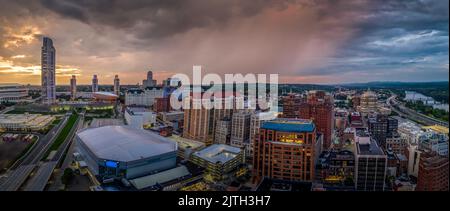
23,169
16,178
413,115
40,178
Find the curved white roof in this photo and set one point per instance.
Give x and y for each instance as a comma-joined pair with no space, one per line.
123,143
109,94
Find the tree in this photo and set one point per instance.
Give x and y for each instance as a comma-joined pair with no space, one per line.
67,176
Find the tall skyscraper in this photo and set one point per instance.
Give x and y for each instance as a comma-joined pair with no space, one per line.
319,108
291,105
198,122
73,87
286,149
48,81
240,129
223,131
95,84
116,85
149,82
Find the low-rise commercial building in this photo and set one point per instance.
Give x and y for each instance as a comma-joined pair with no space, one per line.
25,122
139,117
218,159
14,93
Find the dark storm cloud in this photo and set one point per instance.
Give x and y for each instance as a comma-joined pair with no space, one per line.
334,40
158,18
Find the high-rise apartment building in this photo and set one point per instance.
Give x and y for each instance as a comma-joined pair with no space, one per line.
319,108
48,71
94,83
433,172
286,149
291,105
73,87
198,122
116,85
240,129
223,131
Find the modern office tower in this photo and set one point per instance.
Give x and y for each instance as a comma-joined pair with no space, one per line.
95,84
240,129
319,108
433,172
223,131
286,149
370,166
48,71
291,105
149,82
198,122
116,85
381,127
73,87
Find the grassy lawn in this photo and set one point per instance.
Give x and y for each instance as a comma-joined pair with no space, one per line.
62,135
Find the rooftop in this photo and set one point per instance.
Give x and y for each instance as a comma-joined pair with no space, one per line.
122,143
369,149
10,85
289,125
160,178
109,94
218,153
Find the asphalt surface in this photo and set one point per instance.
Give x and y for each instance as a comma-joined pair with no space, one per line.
17,178
39,180
22,170
411,114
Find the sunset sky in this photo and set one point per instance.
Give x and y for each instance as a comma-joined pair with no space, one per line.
305,41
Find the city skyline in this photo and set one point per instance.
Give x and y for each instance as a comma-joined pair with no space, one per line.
305,42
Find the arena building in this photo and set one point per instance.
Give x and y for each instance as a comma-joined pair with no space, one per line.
125,152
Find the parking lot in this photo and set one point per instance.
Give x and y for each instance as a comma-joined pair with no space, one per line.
10,151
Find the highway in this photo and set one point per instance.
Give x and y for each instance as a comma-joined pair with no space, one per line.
39,180
411,114
16,178
18,174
